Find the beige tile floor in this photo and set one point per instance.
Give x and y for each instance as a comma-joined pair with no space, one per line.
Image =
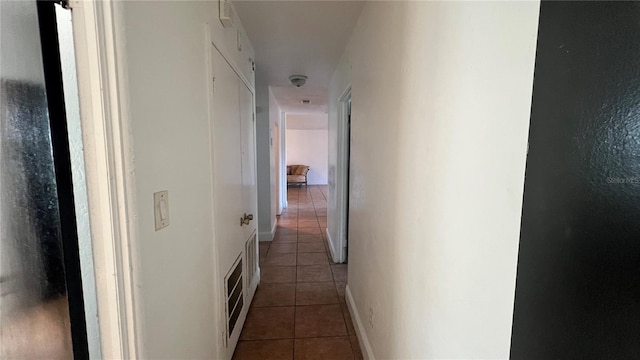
299,311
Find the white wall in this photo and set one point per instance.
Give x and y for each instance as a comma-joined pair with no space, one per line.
309,147
165,53
313,121
441,96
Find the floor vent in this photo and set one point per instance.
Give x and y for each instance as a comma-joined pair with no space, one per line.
235,295
252,259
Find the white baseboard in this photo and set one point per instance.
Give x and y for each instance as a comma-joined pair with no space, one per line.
256,280
331,245
268,235
265,236
365,346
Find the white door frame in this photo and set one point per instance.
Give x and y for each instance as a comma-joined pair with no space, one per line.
98,37
338,250
283,161
278,166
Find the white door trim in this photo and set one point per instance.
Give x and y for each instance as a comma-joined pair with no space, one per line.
278,158
103,97
221,332
283,160
339,244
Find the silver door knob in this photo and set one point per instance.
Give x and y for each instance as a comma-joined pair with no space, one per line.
246,219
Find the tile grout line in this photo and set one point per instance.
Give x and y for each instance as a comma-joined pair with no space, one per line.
344,316
312,197
333,278
310,337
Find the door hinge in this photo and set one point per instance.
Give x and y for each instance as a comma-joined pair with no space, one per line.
64,3
214,83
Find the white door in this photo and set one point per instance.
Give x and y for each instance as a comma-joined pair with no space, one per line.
235,199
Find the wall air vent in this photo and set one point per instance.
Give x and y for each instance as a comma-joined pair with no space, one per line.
234,291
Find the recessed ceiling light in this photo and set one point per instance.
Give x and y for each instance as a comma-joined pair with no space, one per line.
306,101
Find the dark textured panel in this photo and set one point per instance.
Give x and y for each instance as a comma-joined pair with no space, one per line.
578,284
233,299
64,180
233,320
233,278
37,307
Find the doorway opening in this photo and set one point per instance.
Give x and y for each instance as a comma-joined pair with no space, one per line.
307,139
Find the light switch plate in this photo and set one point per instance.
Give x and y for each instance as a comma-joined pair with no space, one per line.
161,209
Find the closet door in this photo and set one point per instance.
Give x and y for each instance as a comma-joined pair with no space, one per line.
234,196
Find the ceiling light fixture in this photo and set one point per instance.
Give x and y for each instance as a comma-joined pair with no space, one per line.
298,80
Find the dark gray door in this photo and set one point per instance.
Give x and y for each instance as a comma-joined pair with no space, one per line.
578,282
41,314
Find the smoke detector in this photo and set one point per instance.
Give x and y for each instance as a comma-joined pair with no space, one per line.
298,80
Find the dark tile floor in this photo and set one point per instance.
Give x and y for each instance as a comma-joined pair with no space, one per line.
299,311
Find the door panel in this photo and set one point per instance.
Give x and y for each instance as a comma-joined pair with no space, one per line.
227,181
249,186
226,165
577,291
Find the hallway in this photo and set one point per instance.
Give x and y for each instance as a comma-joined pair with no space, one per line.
185,115
299,311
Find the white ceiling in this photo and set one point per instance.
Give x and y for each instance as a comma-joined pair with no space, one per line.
298,38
